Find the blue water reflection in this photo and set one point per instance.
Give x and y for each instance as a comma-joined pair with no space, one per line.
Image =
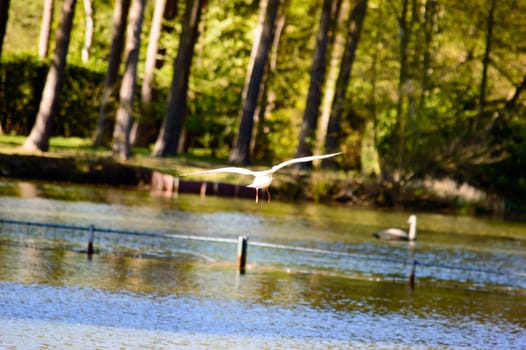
316,278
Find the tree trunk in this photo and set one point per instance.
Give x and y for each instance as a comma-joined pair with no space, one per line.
337,46
137,136
38,139
120,13
510,104
485,64
378,28
310,116
4,15
124,118
402,84
332,139
88,34
262,90
241,150
45,29
259,144
430,10
168,138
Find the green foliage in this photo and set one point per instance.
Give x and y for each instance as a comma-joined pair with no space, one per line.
102,18
216,84
78,102
440,104
23,26
20,93
507,177
20,96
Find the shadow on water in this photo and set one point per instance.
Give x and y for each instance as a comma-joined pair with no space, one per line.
161,292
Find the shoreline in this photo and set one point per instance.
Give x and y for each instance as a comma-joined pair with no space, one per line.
291,186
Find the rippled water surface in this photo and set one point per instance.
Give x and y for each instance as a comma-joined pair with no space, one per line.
316,278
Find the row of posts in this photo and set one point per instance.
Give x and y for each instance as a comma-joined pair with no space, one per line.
241,249
241,255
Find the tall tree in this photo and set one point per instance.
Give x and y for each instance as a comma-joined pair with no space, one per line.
329,13
355,24
241,151
88,32
173,121
376,35
4,14
429,24
401,117
120,13
137,136
337,45
509,105
124,117
485,65
38,139
45,28
259,144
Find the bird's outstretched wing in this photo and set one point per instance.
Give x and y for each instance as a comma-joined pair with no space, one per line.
223,170
302,159
258,173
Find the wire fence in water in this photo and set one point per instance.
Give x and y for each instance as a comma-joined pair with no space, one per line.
85,238
166,245
372,266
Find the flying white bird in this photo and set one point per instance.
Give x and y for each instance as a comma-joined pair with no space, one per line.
263,178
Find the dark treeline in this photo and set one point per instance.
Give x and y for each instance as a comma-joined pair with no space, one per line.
405,89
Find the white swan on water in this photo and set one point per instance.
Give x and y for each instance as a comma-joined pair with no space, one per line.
263,178
398,234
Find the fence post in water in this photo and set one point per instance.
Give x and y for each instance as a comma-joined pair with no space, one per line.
91,237
412,276
242,254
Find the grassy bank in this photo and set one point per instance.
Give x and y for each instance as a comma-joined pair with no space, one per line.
73,159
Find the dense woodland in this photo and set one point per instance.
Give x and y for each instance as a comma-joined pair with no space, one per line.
406,89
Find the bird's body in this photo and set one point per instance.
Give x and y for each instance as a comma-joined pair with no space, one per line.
263,178
396,234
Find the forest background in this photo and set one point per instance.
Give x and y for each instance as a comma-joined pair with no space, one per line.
408,90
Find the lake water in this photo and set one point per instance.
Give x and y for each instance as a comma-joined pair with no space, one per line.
315,278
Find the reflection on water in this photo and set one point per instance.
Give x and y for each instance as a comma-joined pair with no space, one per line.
143,292
164,298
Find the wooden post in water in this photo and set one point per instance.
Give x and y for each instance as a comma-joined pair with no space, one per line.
242,254
412,276
91,237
